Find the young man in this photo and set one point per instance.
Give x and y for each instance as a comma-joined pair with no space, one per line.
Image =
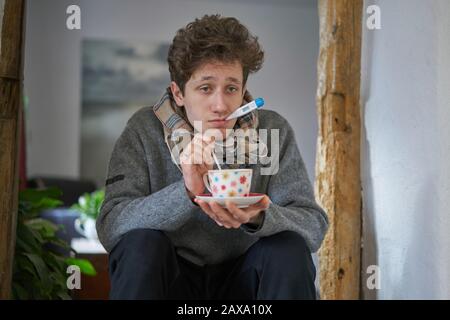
166,244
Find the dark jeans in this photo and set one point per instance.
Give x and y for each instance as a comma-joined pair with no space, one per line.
144,265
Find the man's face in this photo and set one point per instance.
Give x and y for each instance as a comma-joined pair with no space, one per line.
212,93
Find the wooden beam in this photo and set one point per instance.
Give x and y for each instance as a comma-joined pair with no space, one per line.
11,84
338,182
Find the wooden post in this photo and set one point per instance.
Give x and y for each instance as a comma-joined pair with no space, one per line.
338,186
11,84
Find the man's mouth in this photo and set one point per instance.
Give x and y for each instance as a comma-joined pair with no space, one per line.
219,122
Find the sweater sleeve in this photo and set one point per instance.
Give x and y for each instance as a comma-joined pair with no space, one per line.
128,203
293,206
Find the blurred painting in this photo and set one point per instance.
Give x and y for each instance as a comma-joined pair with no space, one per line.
118,78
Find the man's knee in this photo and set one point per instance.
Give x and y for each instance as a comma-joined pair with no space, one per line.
284,265
137,264
287,244
142,245
145,237
286,252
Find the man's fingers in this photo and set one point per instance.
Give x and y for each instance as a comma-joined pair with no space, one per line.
206,208
202,141
225,216
262,204
240,215
198,152
219,215
196,157
207,149
215,207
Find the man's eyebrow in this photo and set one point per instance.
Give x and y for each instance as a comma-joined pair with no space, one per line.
204,78
231,79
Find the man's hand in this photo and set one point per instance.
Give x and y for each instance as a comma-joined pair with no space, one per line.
232,216
195,160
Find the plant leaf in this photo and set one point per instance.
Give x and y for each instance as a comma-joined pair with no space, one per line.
29,238
37,272
45,226
35,195
60,243
63,295
85,266
19,292
24,264
41,269
54,263
89,204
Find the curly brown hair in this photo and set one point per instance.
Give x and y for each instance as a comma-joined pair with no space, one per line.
212,38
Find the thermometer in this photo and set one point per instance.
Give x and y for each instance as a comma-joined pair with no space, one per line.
246,108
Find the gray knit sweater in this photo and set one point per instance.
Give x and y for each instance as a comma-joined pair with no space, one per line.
145,189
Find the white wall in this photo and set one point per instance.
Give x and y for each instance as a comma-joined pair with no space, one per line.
288,30
406,150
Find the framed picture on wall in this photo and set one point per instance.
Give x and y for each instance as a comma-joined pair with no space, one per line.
118,78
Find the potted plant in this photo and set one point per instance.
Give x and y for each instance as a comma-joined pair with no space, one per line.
38,271
88,206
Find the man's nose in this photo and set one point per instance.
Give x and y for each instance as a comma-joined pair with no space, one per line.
219,104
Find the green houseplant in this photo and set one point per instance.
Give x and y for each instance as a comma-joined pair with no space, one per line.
38,271
88,206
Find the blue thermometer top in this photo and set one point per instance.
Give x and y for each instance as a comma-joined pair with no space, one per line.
246,108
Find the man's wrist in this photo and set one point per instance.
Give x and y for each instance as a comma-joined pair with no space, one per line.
190,194
257,220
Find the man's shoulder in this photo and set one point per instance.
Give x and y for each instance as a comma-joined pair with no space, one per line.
270,119
144,118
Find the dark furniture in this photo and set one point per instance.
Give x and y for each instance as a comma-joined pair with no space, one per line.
71,188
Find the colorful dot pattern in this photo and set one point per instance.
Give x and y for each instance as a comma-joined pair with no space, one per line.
230,183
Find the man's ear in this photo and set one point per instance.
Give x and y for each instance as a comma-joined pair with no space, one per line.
177,94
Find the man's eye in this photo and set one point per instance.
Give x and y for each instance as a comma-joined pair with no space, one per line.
232,89
204,89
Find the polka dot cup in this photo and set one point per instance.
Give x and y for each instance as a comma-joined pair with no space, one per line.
228,182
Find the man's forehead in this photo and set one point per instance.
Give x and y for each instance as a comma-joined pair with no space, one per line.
215,71
214,78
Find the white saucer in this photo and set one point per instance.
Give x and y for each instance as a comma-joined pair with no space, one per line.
241,202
